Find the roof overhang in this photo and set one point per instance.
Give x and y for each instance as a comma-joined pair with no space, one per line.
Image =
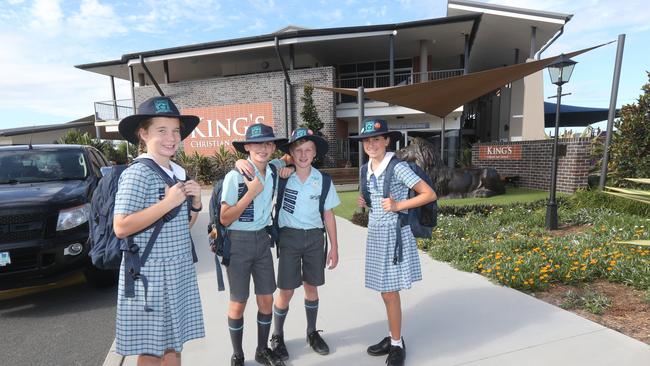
318,43
504,30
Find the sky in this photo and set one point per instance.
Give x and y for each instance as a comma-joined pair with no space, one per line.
42,40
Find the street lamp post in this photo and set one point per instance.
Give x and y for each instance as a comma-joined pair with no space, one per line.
560,73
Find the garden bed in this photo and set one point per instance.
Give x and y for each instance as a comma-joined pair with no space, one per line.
628,311
511,247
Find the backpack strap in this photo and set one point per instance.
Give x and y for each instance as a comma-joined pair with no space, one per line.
363,184
325,189
402,219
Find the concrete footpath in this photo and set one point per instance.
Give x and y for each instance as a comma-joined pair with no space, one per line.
450,318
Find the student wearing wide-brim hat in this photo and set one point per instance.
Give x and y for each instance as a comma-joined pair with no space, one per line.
374,128
247,216
257,134
382,273
142,198
155,107
302,229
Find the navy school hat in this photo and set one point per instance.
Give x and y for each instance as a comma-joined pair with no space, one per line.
256,134
306,134
155,107
376,127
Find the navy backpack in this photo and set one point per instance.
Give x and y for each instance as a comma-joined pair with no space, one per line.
421,219
221,242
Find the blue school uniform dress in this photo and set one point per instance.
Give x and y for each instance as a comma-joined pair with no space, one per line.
173,292
381,274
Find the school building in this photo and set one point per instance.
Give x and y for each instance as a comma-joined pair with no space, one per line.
233,83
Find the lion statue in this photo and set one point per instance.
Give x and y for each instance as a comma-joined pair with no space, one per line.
452,182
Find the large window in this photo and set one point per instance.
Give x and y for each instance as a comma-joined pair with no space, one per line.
374,74
28,166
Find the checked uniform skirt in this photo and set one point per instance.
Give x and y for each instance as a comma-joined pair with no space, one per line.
173,292
381,274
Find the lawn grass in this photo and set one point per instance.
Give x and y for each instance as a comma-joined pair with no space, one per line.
348,204
520,195
512,195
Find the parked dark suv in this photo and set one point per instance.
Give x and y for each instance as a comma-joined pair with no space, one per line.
45,193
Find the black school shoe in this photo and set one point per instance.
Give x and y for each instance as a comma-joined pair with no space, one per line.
278,346
317,343
237,360
382,348
396,356
268,358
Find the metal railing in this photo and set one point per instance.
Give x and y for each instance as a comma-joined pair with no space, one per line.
113,110
383,81
403,78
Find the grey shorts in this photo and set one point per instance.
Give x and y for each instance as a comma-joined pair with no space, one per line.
302,258
250,254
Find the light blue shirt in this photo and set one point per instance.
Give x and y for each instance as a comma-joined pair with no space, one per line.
300,204
258,213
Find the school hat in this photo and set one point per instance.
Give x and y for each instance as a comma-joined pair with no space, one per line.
256,134
376,127
306,134
155,107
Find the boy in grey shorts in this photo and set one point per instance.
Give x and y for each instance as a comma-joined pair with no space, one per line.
301,242
250,254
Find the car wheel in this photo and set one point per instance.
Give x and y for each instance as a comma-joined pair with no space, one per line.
100,278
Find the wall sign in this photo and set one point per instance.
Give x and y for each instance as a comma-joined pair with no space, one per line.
220,126
499,152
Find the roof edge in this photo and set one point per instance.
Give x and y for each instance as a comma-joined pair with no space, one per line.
290,34
512,9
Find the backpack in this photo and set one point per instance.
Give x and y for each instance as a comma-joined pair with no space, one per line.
221,242
421,219
325,188
106,249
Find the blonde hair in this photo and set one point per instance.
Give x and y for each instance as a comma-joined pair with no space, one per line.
143,125
299,143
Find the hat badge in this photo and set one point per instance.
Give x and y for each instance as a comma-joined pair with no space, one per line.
256,131
162,106
370,126
300,133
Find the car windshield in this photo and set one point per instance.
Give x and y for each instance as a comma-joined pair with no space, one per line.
28,166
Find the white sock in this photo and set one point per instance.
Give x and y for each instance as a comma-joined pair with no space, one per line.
395,343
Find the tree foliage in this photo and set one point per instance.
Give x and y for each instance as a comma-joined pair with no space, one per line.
630,148
309,113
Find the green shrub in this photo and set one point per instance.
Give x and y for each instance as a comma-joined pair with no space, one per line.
598,199
631,142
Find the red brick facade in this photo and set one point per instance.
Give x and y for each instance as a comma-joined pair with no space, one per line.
534,168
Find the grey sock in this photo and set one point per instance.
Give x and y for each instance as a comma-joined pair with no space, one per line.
279,315
311,309
236,327
263,330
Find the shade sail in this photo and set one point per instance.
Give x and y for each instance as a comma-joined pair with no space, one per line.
573,116
441,97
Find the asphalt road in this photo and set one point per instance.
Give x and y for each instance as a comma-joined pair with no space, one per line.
67,326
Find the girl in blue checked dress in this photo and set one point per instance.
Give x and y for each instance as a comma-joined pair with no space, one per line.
382,274
173,308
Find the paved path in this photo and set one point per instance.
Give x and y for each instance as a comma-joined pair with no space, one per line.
450,318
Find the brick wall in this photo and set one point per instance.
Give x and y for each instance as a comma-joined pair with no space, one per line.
534,168
259,88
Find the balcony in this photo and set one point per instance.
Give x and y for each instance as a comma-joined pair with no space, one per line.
113,110
382,80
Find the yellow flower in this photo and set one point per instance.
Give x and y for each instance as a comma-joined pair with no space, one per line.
609,268
516,269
